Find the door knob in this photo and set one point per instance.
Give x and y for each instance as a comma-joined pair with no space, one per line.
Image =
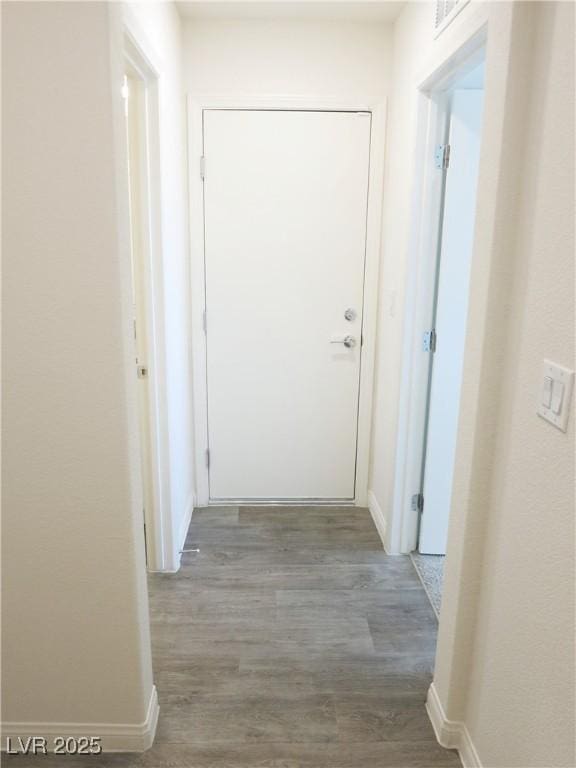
348,341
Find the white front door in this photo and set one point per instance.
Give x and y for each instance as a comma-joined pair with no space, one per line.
451,315
285,202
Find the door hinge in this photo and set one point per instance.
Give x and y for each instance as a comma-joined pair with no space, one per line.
442,156
202,167
429,341
207,459
417,502
204,322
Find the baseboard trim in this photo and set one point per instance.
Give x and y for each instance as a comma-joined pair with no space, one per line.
115,737
378,517
451,734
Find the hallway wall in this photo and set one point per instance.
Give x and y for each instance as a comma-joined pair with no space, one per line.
75,628
333,59
157,27
520,710
411,36
505,662
340,62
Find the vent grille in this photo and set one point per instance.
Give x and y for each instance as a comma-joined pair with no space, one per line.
446,10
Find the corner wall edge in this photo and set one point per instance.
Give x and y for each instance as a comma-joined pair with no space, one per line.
451,734
115,737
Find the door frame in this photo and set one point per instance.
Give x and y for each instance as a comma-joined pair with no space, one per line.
371,268
141,61
432,526
423,262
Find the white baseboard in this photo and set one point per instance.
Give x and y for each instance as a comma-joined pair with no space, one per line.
451,734
378,517
114,737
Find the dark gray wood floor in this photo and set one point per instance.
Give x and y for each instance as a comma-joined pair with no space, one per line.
291,641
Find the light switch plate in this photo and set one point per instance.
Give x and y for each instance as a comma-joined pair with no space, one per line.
562,382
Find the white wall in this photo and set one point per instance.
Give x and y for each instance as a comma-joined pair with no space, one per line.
337,60
75,635
324,62
520,710
505,662
411,36
157,28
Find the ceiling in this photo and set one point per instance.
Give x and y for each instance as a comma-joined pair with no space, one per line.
341,10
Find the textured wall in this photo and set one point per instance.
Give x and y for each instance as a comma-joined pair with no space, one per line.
521,701
75,639
505,662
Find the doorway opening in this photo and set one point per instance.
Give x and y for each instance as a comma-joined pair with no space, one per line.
284,301
133,92
140,94
453,110
458,158
284,230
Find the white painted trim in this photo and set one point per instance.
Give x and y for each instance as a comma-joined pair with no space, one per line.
184,526
370,309
452,734
318,102
133,27
419,307
144,61
371,271
173,564
115,737
282,502
198,300
378,517
422,265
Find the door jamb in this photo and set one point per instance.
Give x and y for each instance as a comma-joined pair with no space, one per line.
371,270
140,59
432,114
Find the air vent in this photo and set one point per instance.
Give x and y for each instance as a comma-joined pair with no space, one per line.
446,11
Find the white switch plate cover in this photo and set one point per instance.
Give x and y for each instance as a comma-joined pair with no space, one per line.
560,376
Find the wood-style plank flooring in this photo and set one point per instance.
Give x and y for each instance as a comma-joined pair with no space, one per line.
290,641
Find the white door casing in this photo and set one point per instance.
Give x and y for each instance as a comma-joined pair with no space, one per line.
134,98
451,315
285,202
